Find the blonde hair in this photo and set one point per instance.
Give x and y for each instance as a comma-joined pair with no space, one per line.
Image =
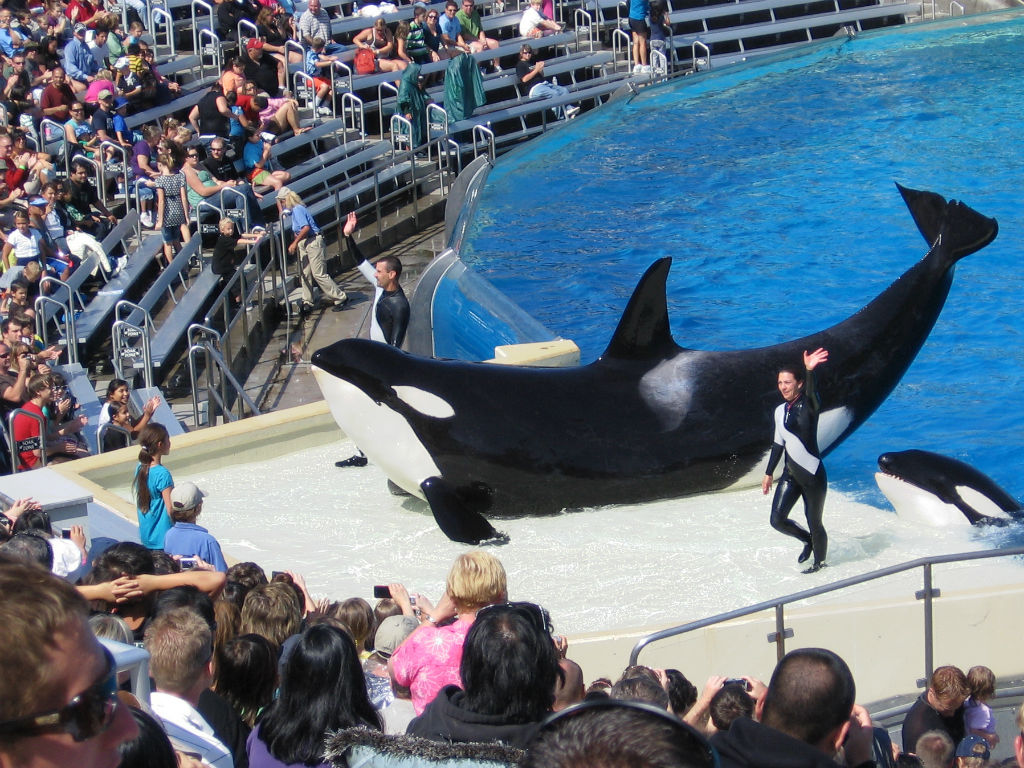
180,646
226,225
476,579
288,198
273,611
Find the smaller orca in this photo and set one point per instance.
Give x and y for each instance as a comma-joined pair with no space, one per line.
938,490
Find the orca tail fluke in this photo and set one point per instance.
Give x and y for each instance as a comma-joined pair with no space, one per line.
957,229
454,518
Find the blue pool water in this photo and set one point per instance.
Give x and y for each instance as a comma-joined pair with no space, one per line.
772,188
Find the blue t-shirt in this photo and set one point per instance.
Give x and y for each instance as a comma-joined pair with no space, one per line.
190,540
450,27
638,9
312,57
154,524
251,154
301,218
121,126
236,128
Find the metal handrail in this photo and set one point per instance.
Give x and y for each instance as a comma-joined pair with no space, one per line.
248,24
202,338
156,13
584,24
699,46
310,89
387,85
346,72
42,327
196,39
781,633
102,430
659,63
483,134
353,105
955,4
621,42
400,133
146,331
241,195
13,444
125,170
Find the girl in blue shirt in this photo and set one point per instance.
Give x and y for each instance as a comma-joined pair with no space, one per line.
153,485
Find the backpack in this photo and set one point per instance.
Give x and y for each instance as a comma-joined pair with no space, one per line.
366,62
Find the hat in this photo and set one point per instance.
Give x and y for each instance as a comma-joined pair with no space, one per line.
391,632
254,44
80,28
186,496
121,102
104,94
121,62
972,746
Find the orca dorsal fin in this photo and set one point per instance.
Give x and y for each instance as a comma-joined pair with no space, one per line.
643,330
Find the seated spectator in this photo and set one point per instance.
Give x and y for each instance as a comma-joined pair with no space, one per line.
640,684
978,717
395,711
246,675
278,115
68,555
17,299
180,645
46,638
57,447
430,659
13,385
535,24
233,77
79,135
972,752
25,245
411,40
320,67
151,748
104,81
186,538
211,116
29,547
84,205
262,69
379,40
119,394
82,12
730,703
935,749
322,689
569,690
223,170
128,83
617,733
58,97
272,611
36,164
939,708
531,74
78,59
807,712
473,31
682,694
256,159
162,90
508,671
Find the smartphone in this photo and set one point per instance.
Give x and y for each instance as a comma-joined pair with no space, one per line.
275,574
381,591
66,533
737,681
187,563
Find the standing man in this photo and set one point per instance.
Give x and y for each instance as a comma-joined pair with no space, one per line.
61,707
939,708
389,315
796,435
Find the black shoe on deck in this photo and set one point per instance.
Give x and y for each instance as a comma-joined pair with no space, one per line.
352,461
806,553
816,567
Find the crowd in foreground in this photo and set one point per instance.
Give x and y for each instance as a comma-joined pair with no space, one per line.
251,671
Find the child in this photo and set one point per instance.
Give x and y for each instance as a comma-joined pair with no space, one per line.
978,718
229,251
187,539
17,299
316,62
153,485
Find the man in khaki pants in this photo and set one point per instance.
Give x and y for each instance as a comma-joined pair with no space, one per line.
309,243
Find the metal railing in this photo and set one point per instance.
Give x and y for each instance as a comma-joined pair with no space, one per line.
622,43
584,24
28,444
694,49
199,5
124,337
101,433
354,114
927,594
205,340
160,19
65,308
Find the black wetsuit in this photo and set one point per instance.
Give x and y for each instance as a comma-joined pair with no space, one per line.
796,435
390,308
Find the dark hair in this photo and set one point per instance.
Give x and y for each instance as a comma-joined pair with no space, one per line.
133,49
234,592
247,574
798,371
356,614
322,689
810,694
682,694
186,596
19,282
163,563
393,264
640,688
246,675
729,703
151,748
29,547
150,438
33,520
126,558
609,733
260,102
114,385
509,663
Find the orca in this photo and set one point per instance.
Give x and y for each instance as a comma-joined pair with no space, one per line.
931,488
647,420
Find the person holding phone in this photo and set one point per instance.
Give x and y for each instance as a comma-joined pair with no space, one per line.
186,538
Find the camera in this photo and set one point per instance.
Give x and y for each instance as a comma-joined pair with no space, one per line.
737,681
380,592
187,563
66,533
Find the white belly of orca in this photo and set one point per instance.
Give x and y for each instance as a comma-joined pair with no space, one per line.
401,455
921,506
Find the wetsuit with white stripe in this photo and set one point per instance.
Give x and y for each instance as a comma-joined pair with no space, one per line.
796,435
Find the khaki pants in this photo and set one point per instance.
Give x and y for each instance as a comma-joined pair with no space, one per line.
311,264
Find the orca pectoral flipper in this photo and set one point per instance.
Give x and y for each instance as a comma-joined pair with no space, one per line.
454,518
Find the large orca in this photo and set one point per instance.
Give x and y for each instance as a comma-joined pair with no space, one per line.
930,488
647,420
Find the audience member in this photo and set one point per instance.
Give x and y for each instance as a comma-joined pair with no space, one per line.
430,659
152,485
939,708
272,611
185,538
246,675
682,694
978,717
78,59
322,689
379,40
935,749
640,684
395,710
807,712
535,24
46,637
611,733
731,702
569,689
58,97
313,23
508,671
530,73
473,32
972,752
180,645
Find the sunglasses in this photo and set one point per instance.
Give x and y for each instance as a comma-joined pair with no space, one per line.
88,715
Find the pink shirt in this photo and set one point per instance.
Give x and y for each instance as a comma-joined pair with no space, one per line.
92,93
429,660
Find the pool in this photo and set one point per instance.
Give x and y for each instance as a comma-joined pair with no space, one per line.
771,184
